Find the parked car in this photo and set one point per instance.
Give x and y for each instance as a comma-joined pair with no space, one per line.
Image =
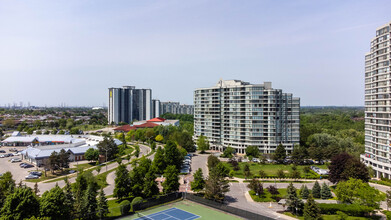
36,173
2,156
26,165
72,171
30,176
15,160
2,151
13,150
256,160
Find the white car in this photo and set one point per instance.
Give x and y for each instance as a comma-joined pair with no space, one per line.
31,177
14,160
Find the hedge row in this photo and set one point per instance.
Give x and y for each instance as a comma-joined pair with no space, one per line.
352,210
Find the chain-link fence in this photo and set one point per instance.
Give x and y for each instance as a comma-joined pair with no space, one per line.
223,207
157,201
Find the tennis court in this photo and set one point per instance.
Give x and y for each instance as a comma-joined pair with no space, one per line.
170,214
181,210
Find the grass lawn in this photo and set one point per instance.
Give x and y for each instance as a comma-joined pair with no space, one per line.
49,176
270,169
114,208
267,197
128,150
85,165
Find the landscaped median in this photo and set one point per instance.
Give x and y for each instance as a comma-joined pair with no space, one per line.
273,171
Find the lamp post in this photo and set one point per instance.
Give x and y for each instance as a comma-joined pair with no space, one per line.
106,158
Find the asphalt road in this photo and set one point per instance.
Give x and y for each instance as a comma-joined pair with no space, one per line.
200,161
110,179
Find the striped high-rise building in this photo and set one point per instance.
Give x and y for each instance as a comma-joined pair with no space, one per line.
128,104
378,104
239,114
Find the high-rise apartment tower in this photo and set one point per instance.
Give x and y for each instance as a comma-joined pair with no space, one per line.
128,104
378,104
239,114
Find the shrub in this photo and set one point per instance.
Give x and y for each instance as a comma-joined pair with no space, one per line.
124,207
342,215
273,190
351,210
136,200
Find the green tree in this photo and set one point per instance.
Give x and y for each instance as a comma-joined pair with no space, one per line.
388,199
102,208
293,202
252,151
311,210
228,152
158,162
21,204
172,155
216,186
222,170
121,188
280,174
246,171
212,161
54,161
316,190
137,176
136,150
52,204
355,191
149,134
150,185
325,192
108,147
304,192
203,143
198,183
90,203
256,186
306,170
69,200
295,174
92,154
153,146
262,174
299,154
279,154
171,184
7,186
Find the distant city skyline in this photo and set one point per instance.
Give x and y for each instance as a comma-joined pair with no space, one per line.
70,52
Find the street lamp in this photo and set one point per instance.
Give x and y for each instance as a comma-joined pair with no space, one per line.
106,158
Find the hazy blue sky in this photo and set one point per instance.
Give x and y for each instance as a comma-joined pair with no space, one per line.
72,51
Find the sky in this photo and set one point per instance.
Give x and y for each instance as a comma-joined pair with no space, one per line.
72,51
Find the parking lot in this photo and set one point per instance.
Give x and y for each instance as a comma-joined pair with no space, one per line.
18,173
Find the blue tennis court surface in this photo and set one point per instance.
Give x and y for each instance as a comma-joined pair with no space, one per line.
170,214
